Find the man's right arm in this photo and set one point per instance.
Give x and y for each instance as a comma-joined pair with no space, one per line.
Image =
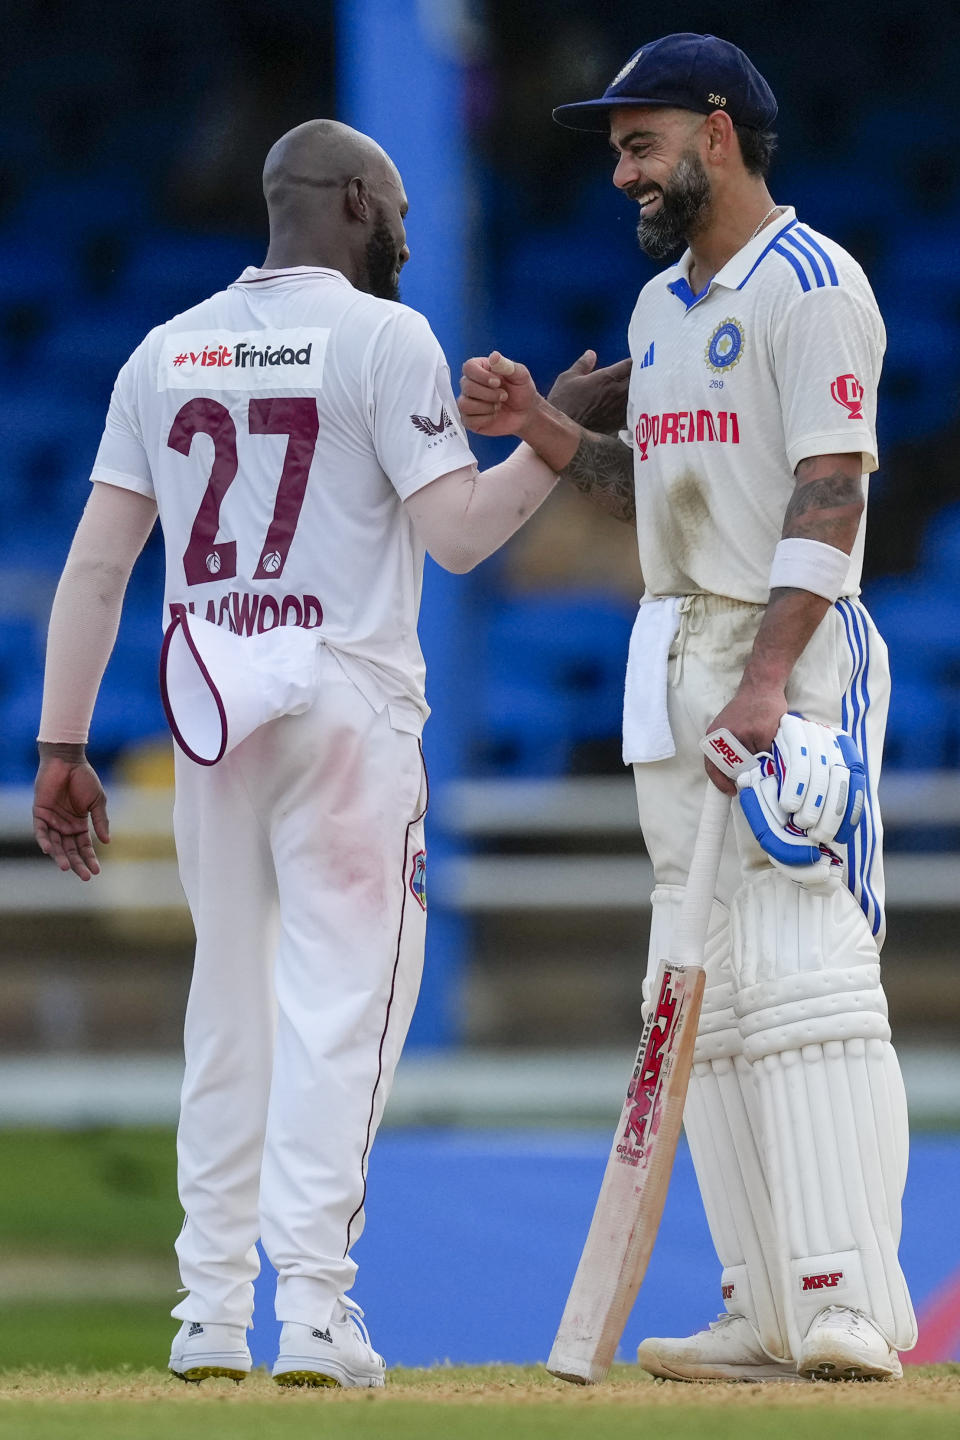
599,466
602,469
83,625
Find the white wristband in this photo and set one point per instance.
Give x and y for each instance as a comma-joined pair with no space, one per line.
809,565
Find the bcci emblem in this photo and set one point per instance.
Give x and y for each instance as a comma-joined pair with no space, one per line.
418,878
622,74
725,346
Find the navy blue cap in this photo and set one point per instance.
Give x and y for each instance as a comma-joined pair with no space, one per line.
691,72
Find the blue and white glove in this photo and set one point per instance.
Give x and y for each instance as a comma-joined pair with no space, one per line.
804,796
821,779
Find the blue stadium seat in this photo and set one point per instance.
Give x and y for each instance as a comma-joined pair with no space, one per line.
940,552
833,201
922,266
68,209
51,441
920,621
171,271
918,388
87,347
923,727
553,678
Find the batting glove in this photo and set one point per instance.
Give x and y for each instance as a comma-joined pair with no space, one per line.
790,848
821,783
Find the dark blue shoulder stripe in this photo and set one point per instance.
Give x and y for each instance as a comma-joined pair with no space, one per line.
766,251
805,235
800,272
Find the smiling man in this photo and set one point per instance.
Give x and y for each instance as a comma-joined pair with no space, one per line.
750,434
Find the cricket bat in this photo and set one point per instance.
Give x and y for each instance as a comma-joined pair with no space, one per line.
634,1188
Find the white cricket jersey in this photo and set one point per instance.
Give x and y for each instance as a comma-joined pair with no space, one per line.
280,425
777,360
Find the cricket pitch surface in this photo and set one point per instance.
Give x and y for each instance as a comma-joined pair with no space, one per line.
496,1402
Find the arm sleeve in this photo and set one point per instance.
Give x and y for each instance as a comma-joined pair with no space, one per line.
122,458
415,424
86,608
828,350
462,517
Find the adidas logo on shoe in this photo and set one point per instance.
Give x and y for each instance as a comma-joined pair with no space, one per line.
202,1349
338,1355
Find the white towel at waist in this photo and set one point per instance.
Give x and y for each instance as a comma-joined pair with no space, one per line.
646,727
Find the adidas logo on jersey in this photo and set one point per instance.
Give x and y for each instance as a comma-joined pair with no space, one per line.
647,360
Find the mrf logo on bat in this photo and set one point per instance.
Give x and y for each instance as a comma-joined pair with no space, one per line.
645,1091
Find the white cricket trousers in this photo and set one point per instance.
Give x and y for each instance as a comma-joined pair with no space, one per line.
301,854
796,1114
841,679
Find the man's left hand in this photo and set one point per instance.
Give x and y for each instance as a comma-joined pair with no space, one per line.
754,717
68,796
596,399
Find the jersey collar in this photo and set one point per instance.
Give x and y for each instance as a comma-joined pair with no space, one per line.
255,276
738,269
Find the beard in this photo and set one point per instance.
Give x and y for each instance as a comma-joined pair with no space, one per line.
382,262
684,206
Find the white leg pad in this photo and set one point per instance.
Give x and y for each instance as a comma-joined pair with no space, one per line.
722,1131
813,1018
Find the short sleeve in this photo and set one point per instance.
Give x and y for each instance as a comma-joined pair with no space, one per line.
416,426
828,349
122,458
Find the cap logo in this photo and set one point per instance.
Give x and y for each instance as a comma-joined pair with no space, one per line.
714,99
622,74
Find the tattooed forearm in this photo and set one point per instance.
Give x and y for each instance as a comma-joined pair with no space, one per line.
602,469
827,502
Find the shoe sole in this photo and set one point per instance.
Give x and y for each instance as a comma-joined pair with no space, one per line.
308,1377
319,1379
751,1374
829,1370
196,1373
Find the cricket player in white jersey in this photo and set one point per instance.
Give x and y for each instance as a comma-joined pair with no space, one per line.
299,437
750,436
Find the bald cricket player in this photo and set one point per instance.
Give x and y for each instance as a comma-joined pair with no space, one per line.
298,436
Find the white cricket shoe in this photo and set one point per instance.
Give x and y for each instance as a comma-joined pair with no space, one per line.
844,1344
729,1349
200,1351
340,1354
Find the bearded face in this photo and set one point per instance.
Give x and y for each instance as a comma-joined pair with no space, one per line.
671,214
383,262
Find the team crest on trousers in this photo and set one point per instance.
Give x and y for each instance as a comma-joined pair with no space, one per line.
725,346
418,878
